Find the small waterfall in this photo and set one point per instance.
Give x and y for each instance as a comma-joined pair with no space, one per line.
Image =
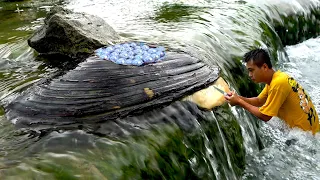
184,142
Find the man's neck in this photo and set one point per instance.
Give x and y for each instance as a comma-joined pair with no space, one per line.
269,76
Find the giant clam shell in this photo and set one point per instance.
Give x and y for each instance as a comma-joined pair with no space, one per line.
98,90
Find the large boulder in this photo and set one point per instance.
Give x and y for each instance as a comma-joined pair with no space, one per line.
72,34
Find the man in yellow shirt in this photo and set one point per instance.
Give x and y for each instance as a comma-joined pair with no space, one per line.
282,96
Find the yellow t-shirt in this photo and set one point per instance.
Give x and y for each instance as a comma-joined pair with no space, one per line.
286,99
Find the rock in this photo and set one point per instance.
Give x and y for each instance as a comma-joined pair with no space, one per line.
73,34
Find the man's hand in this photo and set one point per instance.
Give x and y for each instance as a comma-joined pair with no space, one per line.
232,98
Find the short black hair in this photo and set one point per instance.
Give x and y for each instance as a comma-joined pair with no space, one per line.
259,57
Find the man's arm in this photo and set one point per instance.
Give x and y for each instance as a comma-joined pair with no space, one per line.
254,110
237,100
255,101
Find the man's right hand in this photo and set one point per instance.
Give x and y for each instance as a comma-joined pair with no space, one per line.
230,93
232,98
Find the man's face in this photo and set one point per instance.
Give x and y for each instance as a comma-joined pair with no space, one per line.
255,73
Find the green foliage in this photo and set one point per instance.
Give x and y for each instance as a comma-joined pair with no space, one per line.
273,42
299,27
163,152
232,133
172,160
11,20
1,111
168,161
175,12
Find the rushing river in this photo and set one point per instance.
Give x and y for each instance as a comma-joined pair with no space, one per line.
218,32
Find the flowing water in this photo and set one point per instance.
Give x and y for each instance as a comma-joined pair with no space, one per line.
218,32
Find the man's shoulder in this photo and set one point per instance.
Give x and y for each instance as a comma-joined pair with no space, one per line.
281,81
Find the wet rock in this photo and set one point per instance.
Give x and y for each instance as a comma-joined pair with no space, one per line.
73,34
